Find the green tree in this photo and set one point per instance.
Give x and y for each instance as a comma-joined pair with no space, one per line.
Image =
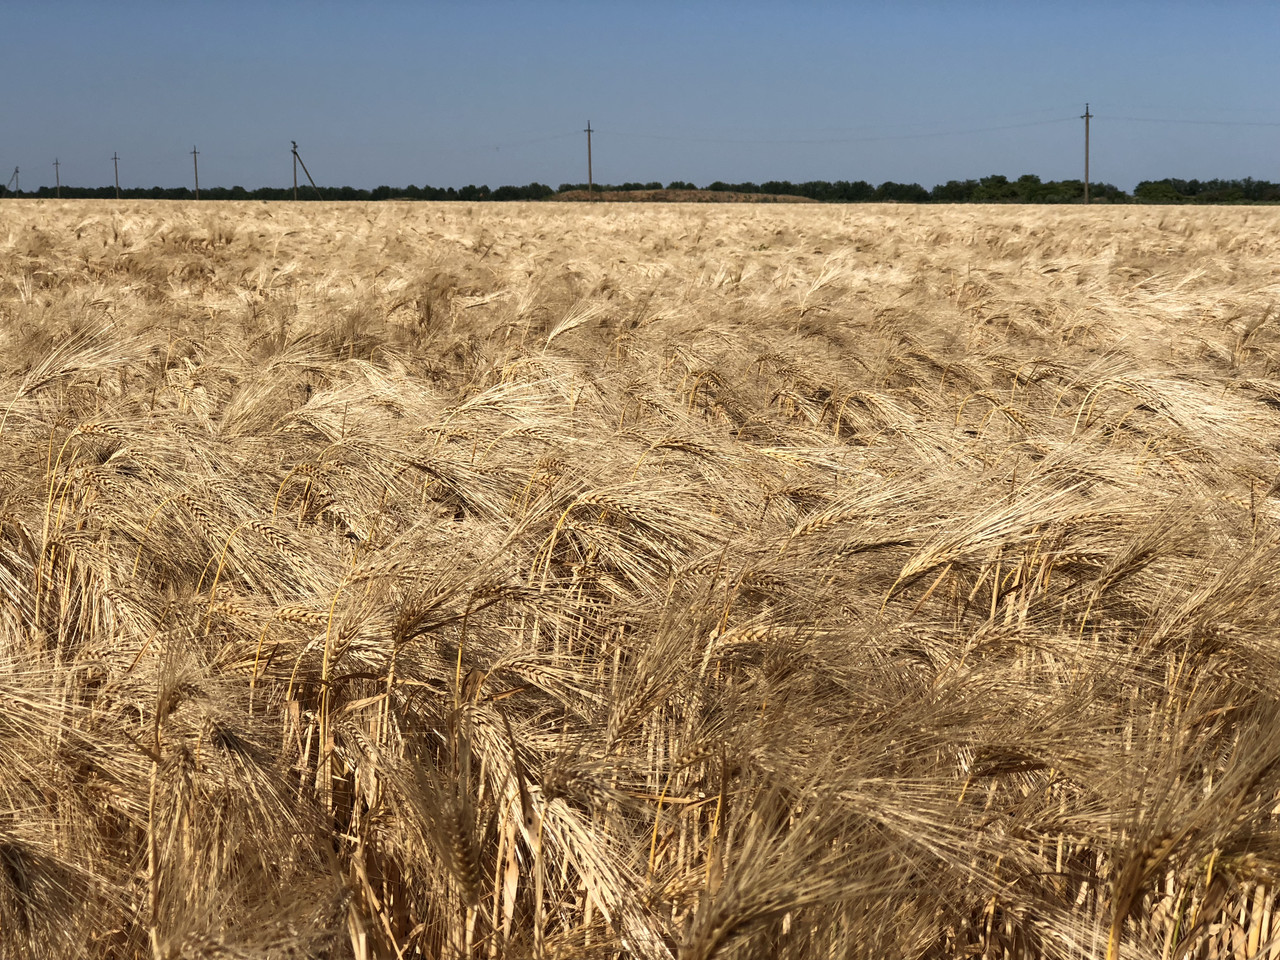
995,189
954,191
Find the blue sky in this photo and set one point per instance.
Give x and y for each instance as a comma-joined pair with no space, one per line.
498,92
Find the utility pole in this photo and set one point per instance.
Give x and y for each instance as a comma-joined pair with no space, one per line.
1086,117
196,163
115,158
57,179
17,186
297,159
590,185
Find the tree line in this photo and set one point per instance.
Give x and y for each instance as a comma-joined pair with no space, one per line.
994,189
533,191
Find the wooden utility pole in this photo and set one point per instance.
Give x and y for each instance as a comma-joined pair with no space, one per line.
196,163
17,185
115,159
297,159
1086,117
57,180
590,185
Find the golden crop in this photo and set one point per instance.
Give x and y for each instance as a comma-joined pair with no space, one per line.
416,580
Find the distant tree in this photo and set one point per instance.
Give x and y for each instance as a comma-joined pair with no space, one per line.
1064,191
954,191
1221,191
1267,192
1258,191
891,192
856,191
995,189
1105,193
830,192
532,191
1029,188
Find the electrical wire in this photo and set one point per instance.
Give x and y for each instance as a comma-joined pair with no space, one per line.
526,143
839,140
1208,123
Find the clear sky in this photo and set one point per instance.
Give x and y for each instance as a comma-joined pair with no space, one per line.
492,92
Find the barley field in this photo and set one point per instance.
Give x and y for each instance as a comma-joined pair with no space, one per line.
656,581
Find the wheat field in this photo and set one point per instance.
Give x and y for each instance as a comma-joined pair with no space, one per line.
493,581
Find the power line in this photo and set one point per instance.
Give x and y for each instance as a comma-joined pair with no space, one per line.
1052,114
871,138
527,143
812,140
1206,123
839,140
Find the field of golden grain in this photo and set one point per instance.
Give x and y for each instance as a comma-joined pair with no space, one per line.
414,580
